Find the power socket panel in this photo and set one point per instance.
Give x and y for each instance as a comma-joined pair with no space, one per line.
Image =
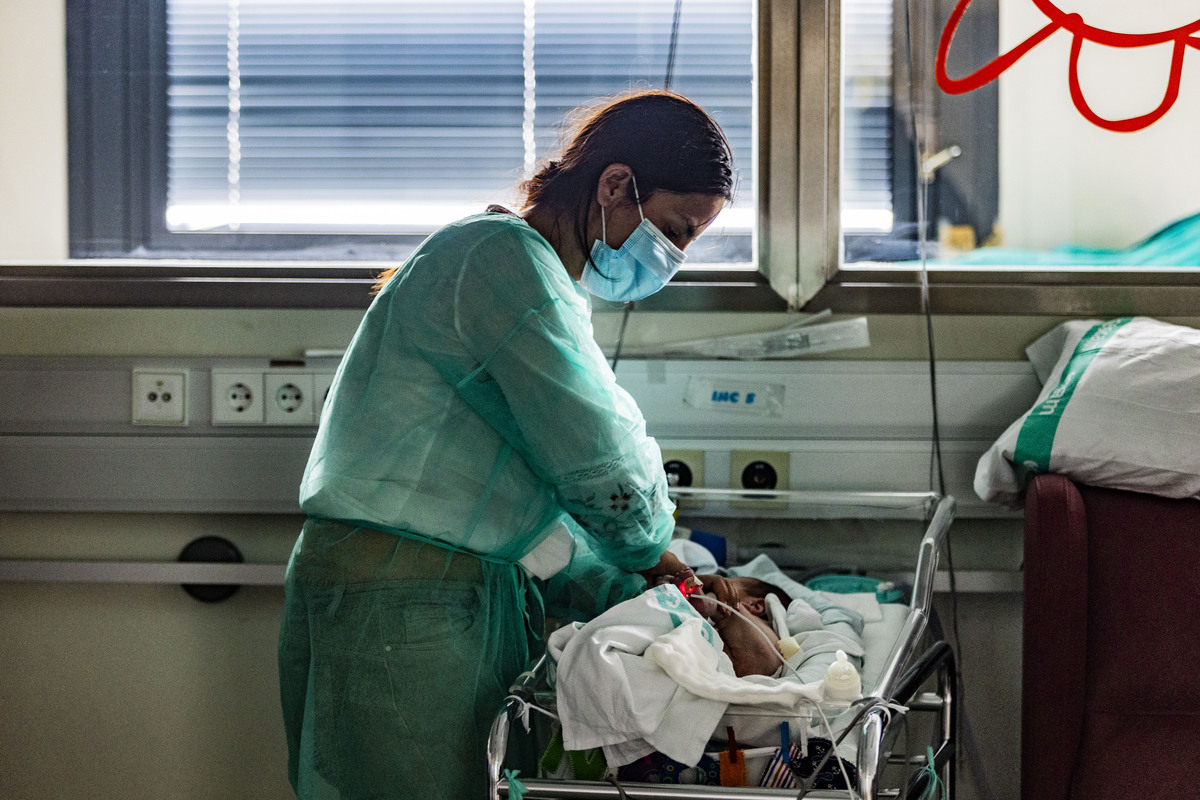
237,398
685,467
288,398
159,397
758,469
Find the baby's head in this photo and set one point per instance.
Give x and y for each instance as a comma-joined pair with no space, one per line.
756,589
751,643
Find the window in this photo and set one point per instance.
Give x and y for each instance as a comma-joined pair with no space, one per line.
326,131
1058,181
201,129
353,128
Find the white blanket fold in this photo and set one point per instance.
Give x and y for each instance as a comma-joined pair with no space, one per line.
692,663
610,696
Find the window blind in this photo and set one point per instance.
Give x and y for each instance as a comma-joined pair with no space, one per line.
397,115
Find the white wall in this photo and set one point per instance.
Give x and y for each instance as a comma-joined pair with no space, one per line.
1065,180
123,691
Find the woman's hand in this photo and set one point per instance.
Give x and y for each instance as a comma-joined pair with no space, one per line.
725,590
668,565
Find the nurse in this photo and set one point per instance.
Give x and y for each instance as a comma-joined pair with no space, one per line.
478,467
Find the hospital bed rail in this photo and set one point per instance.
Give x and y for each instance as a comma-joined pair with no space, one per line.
899,680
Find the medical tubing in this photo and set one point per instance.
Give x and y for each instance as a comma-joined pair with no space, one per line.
530,675
671,47
674,43
621,336
922,198
497,746
922,189
516,706
933,786
524,706
938,659
620,789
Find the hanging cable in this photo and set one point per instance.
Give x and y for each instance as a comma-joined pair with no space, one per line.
937,475
621,335
922,202
922,194
672,46
936,466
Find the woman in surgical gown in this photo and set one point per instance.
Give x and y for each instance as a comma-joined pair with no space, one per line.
478,467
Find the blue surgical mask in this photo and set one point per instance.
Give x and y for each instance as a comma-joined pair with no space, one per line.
638,268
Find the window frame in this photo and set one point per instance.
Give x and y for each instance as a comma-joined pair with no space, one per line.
111,114
797,114
803,144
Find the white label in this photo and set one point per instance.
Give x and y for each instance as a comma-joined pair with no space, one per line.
765,399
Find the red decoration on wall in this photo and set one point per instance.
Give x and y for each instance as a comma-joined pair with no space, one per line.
1181,38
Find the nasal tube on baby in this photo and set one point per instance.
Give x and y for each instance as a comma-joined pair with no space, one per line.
842,683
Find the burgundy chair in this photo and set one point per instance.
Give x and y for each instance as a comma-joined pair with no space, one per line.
1110,702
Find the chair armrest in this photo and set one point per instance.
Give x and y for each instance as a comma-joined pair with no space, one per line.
1054,660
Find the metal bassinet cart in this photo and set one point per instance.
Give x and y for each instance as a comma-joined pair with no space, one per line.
916,674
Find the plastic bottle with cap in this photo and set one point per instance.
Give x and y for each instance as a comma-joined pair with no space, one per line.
842,682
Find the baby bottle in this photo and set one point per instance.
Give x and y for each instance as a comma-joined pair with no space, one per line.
842,683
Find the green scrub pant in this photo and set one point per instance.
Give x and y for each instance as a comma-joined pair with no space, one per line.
394,658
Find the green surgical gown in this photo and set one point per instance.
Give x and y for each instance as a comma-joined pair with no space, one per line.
472,415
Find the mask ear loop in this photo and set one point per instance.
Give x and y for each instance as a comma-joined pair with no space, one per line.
636,197
628,306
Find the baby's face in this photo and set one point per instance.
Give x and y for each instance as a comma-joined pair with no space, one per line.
750,604
752,645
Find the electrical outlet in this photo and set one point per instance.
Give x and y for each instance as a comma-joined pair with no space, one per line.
321,383
159,397
288,398
685,468
237,398
758,469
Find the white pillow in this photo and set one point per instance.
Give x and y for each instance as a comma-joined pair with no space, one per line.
1120,408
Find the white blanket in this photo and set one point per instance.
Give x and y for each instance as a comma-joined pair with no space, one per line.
610,696
685,655
649,674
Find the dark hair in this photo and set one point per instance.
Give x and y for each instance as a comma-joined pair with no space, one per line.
669,142
756,587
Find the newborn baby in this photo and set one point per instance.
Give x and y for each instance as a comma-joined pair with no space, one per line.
750,641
